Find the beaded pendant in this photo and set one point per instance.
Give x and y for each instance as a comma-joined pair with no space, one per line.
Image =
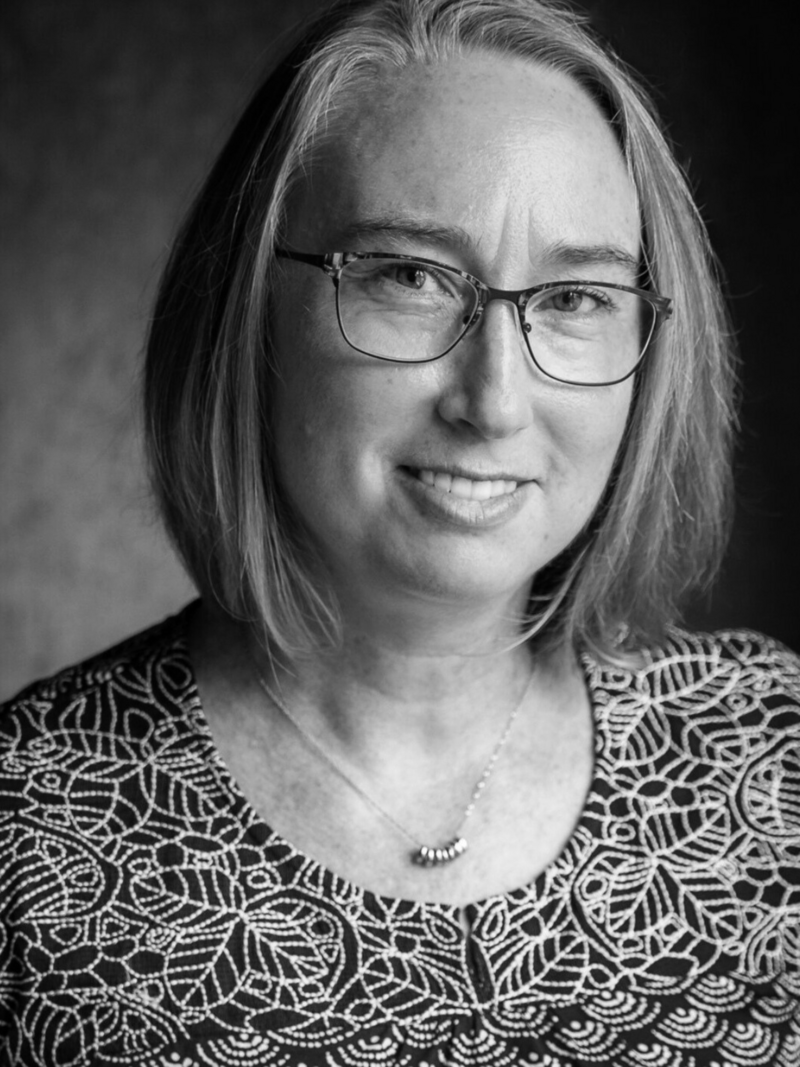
435,857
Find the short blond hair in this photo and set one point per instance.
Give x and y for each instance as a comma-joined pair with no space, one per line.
661,526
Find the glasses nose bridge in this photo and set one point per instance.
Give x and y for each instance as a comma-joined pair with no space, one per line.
487,294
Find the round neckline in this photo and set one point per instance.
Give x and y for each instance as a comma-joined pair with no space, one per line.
352,890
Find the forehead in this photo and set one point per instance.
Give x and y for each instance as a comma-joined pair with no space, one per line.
499,155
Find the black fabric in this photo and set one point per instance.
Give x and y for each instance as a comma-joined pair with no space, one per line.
150,917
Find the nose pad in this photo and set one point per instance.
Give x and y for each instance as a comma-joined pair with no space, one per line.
520,328
471,321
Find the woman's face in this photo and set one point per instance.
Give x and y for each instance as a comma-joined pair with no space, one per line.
508,171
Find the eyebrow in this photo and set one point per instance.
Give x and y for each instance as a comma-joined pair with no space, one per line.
591,255
560,253
401,228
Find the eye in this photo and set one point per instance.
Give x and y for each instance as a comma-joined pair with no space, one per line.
409,281
575,300
419,278
411,276
568,300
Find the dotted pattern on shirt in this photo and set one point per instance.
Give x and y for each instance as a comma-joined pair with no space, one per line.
150,917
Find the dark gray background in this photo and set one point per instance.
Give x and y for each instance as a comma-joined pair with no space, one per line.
112,111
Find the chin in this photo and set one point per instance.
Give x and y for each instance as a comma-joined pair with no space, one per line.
472,584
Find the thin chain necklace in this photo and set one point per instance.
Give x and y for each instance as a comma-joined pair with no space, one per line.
422,855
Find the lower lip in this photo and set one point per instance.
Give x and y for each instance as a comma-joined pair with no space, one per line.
458,510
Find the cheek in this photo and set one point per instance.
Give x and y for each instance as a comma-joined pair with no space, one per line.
304,399
316,422
333,409
587,431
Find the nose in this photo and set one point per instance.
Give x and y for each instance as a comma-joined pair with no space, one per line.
489,388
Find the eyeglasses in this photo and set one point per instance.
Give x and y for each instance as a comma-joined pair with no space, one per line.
411,310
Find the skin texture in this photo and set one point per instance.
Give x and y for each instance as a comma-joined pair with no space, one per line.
515,161
510,169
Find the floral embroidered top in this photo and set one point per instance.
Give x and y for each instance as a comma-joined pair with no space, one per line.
148,916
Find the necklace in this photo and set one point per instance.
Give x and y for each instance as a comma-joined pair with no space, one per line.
422,855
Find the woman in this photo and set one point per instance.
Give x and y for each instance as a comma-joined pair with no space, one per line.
438,413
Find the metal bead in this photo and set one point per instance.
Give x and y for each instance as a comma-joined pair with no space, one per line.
425,856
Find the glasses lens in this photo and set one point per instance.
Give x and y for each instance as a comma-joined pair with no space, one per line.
402,309
588,334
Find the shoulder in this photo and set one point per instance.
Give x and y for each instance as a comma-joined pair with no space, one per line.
149,670
740,653
719,711
731,670
748,677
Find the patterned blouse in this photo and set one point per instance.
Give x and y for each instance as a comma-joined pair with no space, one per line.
148,916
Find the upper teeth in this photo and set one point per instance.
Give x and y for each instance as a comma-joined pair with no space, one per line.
466,487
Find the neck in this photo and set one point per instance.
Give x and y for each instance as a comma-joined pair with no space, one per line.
390,690
392,736
412,693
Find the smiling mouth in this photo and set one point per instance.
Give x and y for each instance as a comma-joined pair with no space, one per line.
465,488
